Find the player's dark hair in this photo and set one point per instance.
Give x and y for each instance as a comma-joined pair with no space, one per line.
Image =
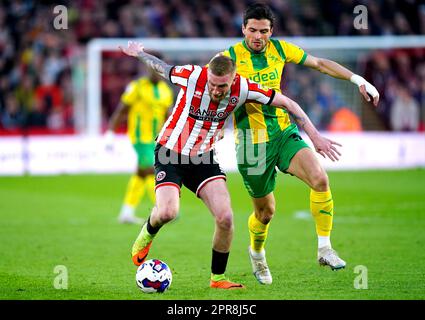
258,11
222,65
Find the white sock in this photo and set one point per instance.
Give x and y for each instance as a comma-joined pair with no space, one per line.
257,255
127,211
324,242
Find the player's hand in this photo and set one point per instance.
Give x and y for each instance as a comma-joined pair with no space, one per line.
133,48
366,89
365,94
327,148
108,140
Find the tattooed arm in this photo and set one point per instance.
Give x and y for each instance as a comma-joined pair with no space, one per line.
323,146
136,49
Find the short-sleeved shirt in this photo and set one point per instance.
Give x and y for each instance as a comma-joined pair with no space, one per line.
196,120
148,104
262,121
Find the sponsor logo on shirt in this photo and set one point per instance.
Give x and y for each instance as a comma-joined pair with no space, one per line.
208,115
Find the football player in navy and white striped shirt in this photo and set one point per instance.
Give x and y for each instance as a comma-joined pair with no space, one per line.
184,154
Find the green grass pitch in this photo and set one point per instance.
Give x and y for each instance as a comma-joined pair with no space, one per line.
71,221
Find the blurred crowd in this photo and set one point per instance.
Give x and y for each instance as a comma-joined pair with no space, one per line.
399,76
37,62
36,65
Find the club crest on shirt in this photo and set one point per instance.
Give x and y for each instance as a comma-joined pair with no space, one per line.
233,100
160,176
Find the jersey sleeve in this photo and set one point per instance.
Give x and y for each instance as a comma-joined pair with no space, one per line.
293,53
130,94
257,93
179,75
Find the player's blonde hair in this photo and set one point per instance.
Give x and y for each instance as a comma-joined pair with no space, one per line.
222,65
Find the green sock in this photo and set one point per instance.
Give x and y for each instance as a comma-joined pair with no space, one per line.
142,240
217,277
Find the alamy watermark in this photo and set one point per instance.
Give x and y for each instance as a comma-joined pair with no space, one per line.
251,149
60,21
361,18
60,282
361,280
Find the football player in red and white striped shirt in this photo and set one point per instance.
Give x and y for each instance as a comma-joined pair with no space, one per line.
201,108
184,154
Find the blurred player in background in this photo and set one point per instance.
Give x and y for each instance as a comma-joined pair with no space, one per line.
261,59
145,102
184,154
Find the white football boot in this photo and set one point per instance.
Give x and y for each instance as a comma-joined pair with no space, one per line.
326,256
127,215
260,268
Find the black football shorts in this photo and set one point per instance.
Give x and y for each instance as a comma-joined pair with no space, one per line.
194,172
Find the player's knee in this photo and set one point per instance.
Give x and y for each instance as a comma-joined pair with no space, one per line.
320,181
265,212
167,213
225,220
143,172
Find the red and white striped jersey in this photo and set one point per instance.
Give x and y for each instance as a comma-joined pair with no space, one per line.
196,120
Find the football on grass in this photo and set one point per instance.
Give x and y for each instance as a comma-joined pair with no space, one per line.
153,276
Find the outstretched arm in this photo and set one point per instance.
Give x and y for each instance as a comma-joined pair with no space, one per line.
136,49
322,145
337,71
117,116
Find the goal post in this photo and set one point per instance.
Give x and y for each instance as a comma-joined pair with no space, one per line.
342,49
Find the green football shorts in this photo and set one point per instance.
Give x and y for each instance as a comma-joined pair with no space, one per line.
145,154
257,162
